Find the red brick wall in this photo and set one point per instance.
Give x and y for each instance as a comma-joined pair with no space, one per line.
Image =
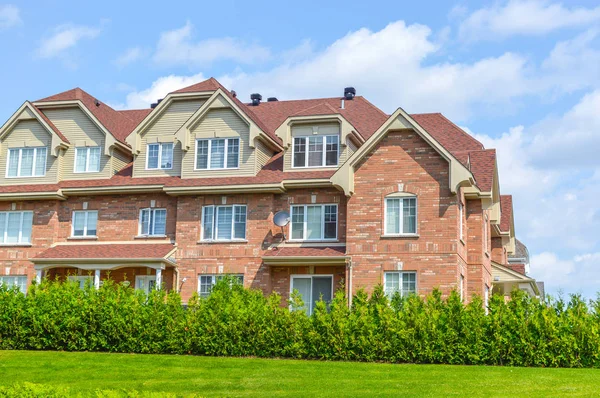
478,259
404,158
498,252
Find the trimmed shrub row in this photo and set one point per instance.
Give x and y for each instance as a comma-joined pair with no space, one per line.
235,321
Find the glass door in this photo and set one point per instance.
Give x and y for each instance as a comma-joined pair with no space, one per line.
145,283
312,288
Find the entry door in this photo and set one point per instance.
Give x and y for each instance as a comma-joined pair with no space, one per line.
312,288
145,283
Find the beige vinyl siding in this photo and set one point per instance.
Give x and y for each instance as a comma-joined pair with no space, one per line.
28,133
163,130
309,130
351,148
81,132
220,123
120,159
263,154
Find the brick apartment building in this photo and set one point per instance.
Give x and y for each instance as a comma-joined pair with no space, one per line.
184,192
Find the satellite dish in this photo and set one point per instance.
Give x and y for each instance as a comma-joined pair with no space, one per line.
281,218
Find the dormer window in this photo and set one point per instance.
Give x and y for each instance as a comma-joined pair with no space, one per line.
316,151
26,162
160,156
217,153
87,159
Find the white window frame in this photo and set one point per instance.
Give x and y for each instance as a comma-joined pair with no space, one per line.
485,235
146,279
214,279
85,225
226,154
305,222
81,280
401,215
310,276
324,157
4,229
215,227
34,168
87,159
152,210
15,279
401,284
486,299
160,145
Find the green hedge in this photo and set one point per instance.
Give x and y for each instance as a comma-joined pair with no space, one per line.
235,321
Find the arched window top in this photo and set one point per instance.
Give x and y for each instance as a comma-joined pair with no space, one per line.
400,195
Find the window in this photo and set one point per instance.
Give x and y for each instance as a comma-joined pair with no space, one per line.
82,280
16,227
19,281
316,151
224,223
87,160
312,288
404,283
400,216
147,283
314,222
206,282
84,223
153,222
217,153
26,162
160,156
460,219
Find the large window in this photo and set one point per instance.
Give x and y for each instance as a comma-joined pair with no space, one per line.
224,223
159,156
15,227
26,162
206,282
316,151
87,160
153,222
403,283
84,223
314,222
400,216
313,288
217,153
18,281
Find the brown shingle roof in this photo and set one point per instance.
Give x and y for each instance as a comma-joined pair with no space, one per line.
116,122
448,134
108,251
483,165
329,251
506,208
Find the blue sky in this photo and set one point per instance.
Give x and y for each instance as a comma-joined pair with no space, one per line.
523,76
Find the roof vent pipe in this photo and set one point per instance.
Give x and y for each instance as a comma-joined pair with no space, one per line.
233,93
256,98
349,93
96,102
272,99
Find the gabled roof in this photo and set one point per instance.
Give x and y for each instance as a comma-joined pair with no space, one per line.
137,115
452,137
52,126
483,167
119,124
506,207
210,84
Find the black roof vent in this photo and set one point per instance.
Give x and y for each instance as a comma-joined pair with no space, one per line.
233,93
272,99
152,106
256,98
349,93
96,102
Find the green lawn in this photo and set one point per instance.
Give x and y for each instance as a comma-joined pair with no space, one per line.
208,376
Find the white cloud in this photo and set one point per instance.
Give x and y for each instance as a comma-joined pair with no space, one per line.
579,274
176,47
159,88
524,17
130,56
64,38
9,16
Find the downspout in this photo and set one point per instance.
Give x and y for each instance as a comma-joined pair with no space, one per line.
349,268
176,270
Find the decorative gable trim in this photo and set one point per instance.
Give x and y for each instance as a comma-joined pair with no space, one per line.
347,130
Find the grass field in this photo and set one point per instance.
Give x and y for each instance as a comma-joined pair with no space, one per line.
208,376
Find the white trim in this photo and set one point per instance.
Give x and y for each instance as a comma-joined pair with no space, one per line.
4,231
401,281
401,216
85,224
146,282
215,228
209,154
160,150
324,156
34,163
309,276
214,280
151,220
87,159
305,222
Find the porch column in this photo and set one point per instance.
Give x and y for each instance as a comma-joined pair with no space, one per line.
38,276
97,279
158,278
